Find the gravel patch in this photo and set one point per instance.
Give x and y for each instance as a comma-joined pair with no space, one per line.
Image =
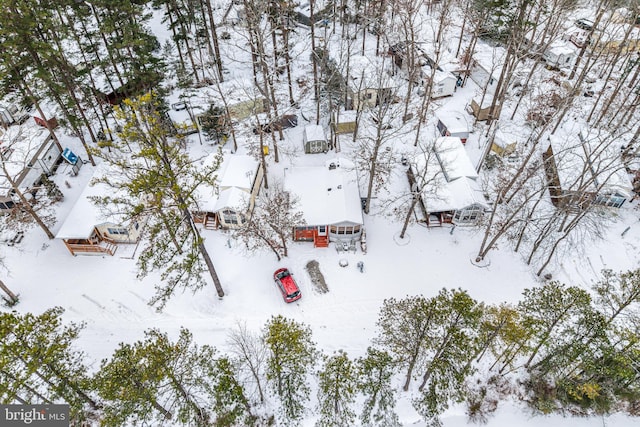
313,268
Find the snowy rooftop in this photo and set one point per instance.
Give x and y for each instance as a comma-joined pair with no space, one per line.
440,195
234,181
327,195
600,155
314,133
367,73
455,121
453,158
85,215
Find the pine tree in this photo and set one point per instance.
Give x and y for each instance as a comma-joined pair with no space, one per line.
156,380
291,356
336,391
404,326
39,363
452,345
159,180
375,372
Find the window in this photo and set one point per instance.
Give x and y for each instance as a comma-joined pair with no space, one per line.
118,231
469,215
611,200
229,217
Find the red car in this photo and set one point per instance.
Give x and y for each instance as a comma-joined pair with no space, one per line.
287,285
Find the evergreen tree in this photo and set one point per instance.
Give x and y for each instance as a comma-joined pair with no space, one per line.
404,327
156,380
40,364
159,179
375,372
214,124
336,391
452,345
291,357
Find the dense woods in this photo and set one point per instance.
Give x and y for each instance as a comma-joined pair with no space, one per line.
559,349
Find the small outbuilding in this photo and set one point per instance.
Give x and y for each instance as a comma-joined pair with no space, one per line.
559,55
314,139
453,123
503,144
481,110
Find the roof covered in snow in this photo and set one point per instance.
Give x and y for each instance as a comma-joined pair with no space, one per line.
455,121
328,194
85,214
234,181
20,146
453,158
438,194
590,162
314,133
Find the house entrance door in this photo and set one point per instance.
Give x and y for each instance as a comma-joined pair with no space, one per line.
322,230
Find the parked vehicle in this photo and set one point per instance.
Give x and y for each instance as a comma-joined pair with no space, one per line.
284,122
287,285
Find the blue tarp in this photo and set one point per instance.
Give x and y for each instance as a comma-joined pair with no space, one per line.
69,156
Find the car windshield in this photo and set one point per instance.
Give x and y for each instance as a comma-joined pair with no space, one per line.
293,295
283,274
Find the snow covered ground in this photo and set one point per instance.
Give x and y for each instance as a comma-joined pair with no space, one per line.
104,293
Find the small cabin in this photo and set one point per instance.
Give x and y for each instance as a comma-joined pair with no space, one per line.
559,55
453,123
329,198
29,153
314,139
230,202
90,230
450,193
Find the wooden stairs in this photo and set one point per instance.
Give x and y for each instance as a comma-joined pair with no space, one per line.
320,241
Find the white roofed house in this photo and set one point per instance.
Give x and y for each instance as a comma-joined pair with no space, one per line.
92,230
586,169
28,152
329,198
453,123
447,184
231,202
368,84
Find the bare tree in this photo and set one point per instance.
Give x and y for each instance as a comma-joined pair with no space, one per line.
26,185
251,354
272,221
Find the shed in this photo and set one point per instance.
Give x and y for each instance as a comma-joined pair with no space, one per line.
503,143
344,122
444,84
559,54
453,123
484,112
314,139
